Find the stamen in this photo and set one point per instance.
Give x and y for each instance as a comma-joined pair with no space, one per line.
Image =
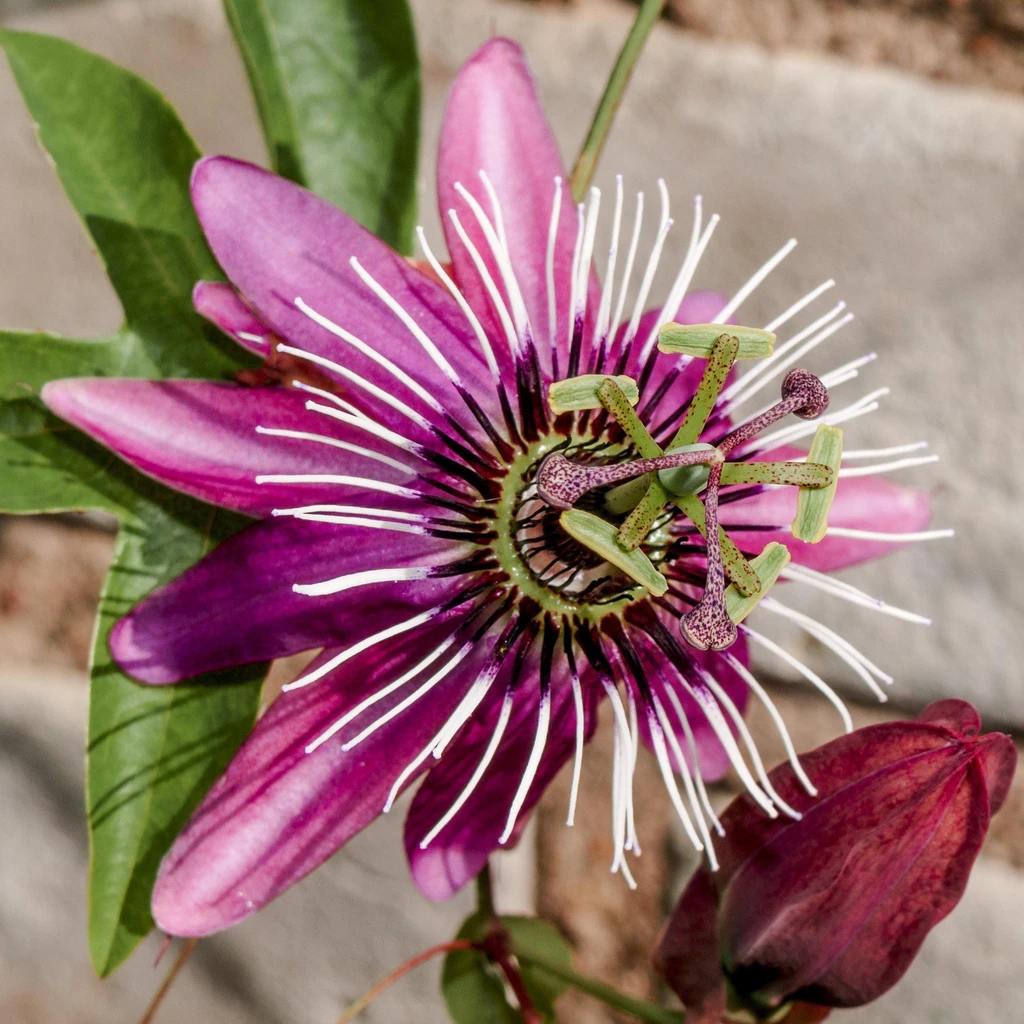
601,537
478,774
371,353
762,695
378,696
363,645
301,435
800,304
759,275
362,579
810,676
813,504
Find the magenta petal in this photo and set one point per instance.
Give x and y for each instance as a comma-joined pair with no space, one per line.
237,605
494,122
223,306
279,243
201,438
277,812
460,851
861,503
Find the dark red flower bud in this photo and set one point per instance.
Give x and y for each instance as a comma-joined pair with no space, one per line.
831,910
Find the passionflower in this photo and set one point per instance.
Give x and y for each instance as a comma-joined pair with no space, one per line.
830,910
410,477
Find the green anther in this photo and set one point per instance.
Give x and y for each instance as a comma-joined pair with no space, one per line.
813,504
699,340
686,479
797,474
737,568
612,398
581,392
600,537
720,360
767,565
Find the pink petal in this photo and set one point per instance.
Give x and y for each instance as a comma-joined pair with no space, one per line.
460,851
201,438
279,243
494,122
277,812
223,306
237,605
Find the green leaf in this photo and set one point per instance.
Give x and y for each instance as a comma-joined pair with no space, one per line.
124,159
337,88
474,989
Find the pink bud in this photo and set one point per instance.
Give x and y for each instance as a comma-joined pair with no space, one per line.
832,909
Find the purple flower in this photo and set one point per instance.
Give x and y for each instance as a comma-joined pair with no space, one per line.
832,909
403,533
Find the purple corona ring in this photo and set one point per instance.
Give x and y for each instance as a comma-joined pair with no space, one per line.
468,627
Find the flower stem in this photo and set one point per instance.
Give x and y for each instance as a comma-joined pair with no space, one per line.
400,972
639,1008
186,951
586,164
485,891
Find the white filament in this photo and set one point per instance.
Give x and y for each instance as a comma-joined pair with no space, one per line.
762,695
358,648
467,310
799,305
361,422
413,697
481,768
361,382
895,538
414,328
355,449
604,309
888,467
848,592
577,764
810,676
533,763
664,226
371,353
365,578
379,695
756,278
627,273
549,264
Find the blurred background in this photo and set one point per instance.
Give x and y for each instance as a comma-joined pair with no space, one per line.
888,137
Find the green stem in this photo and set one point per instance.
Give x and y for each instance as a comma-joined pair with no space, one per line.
485,891
639,1008
151,1011
586,164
